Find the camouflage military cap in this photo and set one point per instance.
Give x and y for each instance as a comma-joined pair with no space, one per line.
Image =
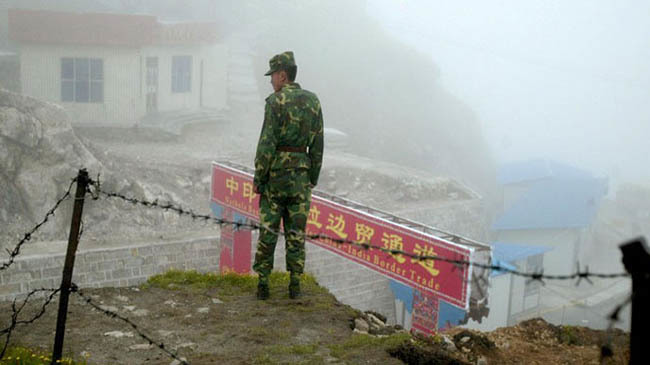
281,61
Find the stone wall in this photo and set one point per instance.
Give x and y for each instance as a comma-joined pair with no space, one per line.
109,267
131,265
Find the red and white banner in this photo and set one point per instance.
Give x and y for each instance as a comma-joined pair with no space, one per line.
234,188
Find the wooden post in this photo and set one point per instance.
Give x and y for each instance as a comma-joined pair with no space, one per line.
66,281
636,258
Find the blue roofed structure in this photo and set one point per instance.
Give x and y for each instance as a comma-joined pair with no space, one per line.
531,170
554,203
556,196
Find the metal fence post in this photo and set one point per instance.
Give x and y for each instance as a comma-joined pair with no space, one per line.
66,281
636,259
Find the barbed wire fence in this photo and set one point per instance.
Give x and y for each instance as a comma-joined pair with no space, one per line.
28,235
578,275
94,189
15,321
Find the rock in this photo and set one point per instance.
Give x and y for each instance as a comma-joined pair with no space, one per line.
216,301
108,308
129,308
140,312
448,344
176,362
465,350
380,316
188,316
375,320
171,303
360,332
361,325
164,333
38,153
465,339
122,298
190,345
482,361
203,310
141,346
118,334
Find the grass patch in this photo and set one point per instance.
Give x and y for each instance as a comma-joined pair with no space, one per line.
568,335
229,284
17,355
360,344
293,349
261,334
290,354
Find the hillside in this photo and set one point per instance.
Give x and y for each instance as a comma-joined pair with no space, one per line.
210,319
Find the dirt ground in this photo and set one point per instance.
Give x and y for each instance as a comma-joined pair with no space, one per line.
206,326
222,325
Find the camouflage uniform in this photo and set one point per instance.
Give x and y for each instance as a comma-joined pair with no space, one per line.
287,164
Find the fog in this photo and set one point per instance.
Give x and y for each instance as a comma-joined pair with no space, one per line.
567,80
551,79
458,88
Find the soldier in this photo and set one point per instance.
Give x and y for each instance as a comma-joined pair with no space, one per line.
287,164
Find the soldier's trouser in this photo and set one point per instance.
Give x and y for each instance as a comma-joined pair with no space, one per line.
293,211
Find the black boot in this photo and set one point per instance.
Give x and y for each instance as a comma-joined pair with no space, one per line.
262,290
294,286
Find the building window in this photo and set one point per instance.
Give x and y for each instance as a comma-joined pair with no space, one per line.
82,80
181,74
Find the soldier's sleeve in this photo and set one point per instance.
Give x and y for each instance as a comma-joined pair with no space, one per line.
265,147
316,148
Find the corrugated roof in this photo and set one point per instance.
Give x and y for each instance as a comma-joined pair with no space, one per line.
57,27
554,203
532,170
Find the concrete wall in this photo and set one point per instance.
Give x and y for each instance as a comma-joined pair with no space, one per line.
214,59
40,67
109,267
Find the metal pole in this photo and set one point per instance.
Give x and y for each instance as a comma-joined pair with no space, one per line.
66,281
636,259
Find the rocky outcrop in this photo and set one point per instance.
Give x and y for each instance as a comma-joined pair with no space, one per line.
39,154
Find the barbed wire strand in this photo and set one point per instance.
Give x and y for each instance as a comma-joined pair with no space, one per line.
75,289
578,275
28,236
16,312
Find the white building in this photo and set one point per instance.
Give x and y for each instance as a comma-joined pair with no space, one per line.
115,69
551,204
